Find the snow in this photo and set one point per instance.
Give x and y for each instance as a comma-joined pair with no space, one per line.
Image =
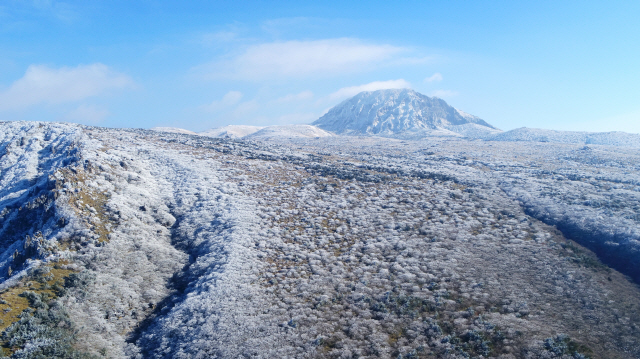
305,131
173,130
573,137
231,131
256,132
406,114
399,113
305,244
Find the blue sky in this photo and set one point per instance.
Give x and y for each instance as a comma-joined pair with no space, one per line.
563,65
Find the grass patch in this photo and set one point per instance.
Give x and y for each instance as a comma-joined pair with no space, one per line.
45,281
87,200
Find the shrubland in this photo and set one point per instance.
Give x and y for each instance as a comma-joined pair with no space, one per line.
159,245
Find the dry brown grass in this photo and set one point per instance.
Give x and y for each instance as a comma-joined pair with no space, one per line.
14,303
87,198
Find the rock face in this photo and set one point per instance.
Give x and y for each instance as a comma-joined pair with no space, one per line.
398,113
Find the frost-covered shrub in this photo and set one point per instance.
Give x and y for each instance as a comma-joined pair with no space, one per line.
219,248
562,345
45,332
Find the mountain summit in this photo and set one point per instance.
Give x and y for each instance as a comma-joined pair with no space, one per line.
401,112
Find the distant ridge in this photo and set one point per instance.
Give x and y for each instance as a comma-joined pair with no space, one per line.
401,113
289,131
615,138
173,130
231,131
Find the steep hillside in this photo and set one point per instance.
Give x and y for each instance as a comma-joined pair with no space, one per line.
401,113
144,244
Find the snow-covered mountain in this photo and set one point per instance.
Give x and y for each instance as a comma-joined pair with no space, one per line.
401,113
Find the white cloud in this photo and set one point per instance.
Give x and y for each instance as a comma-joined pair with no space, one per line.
230,99
372,86
86,114
443,93
44,85
304,95
434,78
245,108
301,59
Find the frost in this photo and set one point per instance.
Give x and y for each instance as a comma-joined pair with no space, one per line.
175,245
401,113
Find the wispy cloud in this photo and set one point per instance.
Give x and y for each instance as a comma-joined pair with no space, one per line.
87,114
230,99
20,10
296,118
277,27
45,85
371,86
443,93
216,38
245,108
304,95
301,59
58,9
434,78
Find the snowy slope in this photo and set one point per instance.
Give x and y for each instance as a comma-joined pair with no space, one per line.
274,132
146,244
173,130
398,113
231,131
269,132
574,137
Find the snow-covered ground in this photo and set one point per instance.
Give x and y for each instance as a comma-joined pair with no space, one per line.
231,131
289,131
173,130
170,245
622,139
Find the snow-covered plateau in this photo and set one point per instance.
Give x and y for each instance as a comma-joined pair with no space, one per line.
122,243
